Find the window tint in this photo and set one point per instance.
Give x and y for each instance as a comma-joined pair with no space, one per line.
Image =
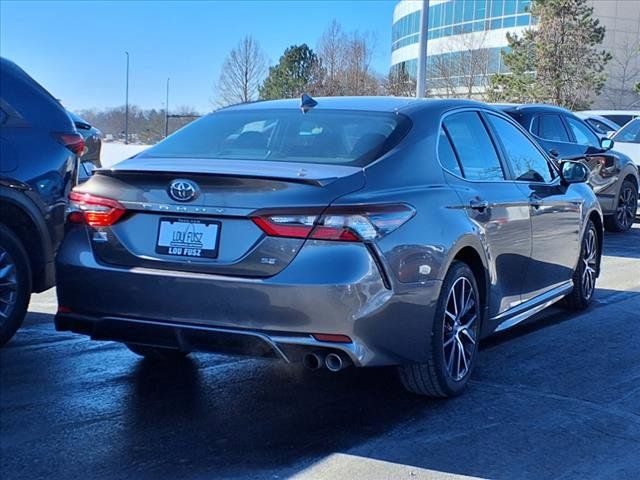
583,135
630,133
475,150
283,135
550,127
601,127
621,120
526,161
446,154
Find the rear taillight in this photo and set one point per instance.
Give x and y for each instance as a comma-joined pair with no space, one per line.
72,141
92,210
346,224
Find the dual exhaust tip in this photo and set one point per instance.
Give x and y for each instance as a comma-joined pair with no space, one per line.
334,362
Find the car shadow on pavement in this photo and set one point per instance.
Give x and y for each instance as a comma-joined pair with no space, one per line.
254,414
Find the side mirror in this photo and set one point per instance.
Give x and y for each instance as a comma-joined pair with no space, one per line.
574,172
606,144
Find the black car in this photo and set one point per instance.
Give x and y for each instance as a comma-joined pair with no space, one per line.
39,149
92,140
614,176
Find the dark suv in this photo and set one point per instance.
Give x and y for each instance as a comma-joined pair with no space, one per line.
614,176
39,148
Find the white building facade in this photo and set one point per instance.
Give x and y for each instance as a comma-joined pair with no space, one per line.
456,27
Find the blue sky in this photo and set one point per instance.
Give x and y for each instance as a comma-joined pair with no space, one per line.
75,49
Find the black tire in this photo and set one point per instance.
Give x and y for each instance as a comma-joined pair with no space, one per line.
625,215
583,288
15,284
436,378
157,354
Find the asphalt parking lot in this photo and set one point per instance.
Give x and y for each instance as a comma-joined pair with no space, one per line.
558,397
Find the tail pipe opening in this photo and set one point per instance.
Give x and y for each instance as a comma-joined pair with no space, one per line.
313,360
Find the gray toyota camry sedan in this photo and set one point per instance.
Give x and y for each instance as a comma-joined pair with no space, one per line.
332,232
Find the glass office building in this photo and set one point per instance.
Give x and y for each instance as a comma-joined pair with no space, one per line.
457,29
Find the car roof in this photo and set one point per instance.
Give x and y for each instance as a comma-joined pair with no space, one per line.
530,107
612,112
374,104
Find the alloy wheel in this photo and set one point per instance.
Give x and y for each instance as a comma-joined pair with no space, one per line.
8,285
627,204
460,324
590,263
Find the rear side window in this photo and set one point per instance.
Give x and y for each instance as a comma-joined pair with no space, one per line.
550,127
583,135
526,161
473,146
288,135
446,154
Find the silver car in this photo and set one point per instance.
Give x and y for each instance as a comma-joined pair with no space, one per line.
334,232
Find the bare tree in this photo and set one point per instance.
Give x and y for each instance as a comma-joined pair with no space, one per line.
358,76
243,70
463,69
331,51
399,83
624,73
345,62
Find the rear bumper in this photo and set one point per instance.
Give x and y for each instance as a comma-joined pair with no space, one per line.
328,288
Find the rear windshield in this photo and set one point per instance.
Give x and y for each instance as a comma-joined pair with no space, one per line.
318,136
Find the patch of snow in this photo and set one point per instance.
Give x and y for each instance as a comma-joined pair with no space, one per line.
113,152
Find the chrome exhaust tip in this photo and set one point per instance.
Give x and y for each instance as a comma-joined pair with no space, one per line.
334,362
313,361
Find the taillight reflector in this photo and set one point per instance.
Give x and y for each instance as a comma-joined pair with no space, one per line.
331,337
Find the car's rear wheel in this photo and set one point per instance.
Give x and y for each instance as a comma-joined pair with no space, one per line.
623,219
453,339
15,284
158,354
585,274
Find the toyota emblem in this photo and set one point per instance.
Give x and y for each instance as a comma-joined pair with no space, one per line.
183,190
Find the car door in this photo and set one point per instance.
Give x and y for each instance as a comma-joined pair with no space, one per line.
495,204
555,210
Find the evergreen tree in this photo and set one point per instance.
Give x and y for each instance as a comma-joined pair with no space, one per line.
557,62
297,71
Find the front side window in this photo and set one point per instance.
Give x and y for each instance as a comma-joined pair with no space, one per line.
474,148
629,133
526,161
287,135
550,127
583,135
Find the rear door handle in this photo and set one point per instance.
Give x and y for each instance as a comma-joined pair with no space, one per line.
479,204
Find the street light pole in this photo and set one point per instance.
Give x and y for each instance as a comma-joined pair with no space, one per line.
126,105
421,80
166,113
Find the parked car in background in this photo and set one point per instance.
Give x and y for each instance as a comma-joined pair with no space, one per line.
90,158
39,148
358,231
614,177
628,140
601,125
92,140
620,117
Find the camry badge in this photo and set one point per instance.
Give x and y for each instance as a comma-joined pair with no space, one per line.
183,190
